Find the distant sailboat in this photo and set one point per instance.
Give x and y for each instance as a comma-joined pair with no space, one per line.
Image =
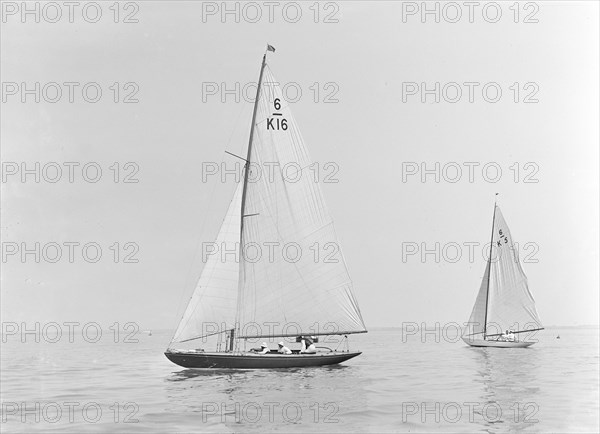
504,314
233,293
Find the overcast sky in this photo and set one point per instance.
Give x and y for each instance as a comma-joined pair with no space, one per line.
375,130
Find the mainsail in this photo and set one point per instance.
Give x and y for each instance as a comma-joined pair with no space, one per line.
296,286
504,301
290,278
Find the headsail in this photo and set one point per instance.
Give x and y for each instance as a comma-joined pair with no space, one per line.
477,320
212,307
293,287
510,305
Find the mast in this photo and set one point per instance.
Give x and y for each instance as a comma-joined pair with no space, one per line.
246,172
487,294
248,156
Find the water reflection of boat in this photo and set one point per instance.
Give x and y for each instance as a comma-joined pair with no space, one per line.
510,389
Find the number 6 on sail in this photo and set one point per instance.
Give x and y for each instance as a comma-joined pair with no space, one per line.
238,298
504,314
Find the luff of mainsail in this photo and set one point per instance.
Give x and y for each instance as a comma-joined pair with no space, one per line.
301,292
211,309
504,301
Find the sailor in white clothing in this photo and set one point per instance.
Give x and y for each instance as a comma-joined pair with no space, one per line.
264,349
283,349
308,347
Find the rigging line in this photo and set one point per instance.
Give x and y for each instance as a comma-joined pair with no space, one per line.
204,336
351,294
237,156
340,342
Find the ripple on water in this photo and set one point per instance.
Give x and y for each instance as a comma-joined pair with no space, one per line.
552,386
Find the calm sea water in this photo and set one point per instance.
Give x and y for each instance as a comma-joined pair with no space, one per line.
399,384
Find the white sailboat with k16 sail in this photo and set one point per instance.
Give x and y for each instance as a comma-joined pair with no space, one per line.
504,314
242,299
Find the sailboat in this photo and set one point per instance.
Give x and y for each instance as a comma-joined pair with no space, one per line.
240,300
504,314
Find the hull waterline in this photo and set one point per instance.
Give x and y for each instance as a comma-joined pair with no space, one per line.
496,344
255,361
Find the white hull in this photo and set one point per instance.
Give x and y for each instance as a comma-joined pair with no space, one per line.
496,344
